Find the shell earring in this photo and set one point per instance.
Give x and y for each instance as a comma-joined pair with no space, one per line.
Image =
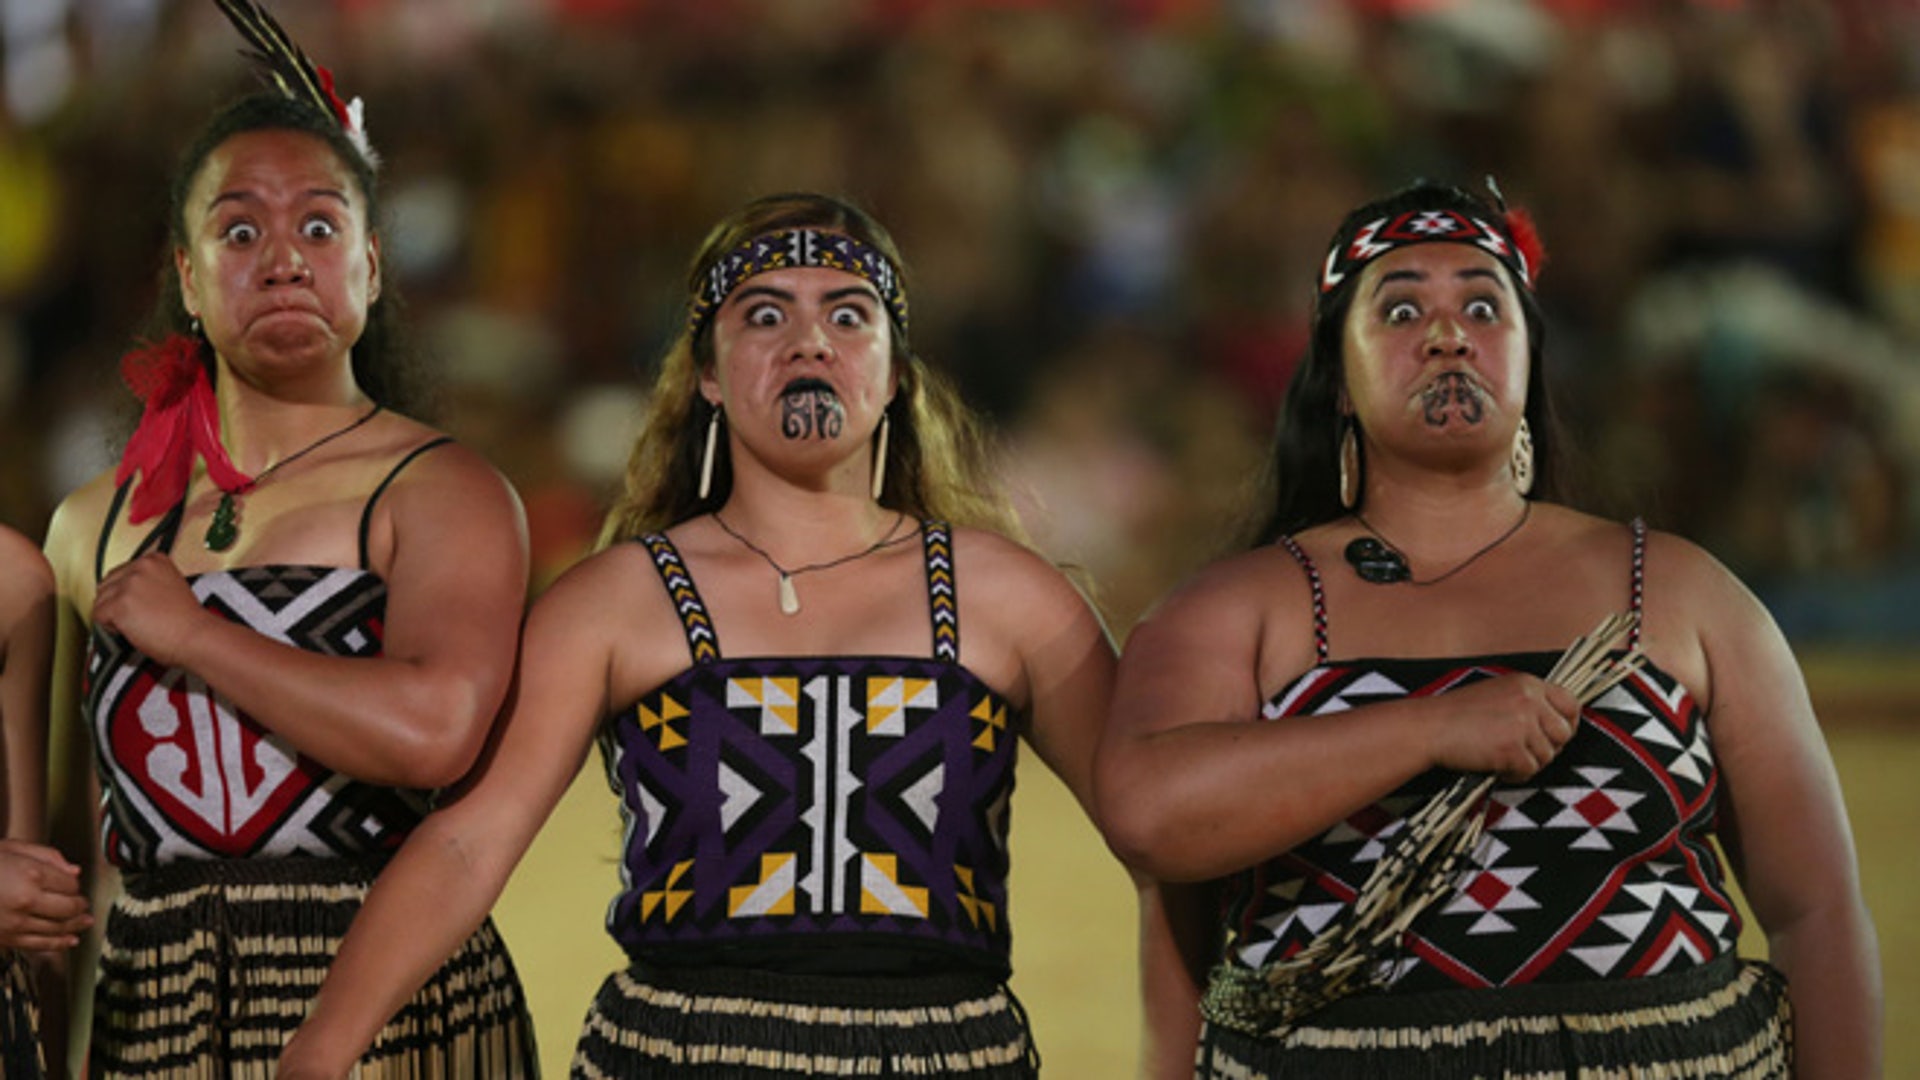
1350,466
706,458
1523,458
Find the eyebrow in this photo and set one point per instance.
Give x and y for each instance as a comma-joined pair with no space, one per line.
1421,275
243,196
862,290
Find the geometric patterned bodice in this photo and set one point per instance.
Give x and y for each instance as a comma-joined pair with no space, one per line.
186,775
1599,866
814,802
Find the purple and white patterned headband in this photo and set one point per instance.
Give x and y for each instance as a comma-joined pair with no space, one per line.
789,248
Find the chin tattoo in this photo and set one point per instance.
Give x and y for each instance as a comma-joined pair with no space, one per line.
812,414
1453,395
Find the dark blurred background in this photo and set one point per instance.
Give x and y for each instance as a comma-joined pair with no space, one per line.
1112,213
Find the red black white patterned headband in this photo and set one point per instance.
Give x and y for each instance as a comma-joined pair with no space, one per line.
1510,237
282,62
789,248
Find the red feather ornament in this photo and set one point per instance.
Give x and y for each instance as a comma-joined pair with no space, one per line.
1526,239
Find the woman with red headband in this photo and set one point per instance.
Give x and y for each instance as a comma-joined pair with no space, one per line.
298,613
808,652
1438,847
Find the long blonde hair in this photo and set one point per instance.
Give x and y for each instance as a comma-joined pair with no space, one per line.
938,453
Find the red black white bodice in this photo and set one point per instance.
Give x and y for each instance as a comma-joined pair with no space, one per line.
802,805
188,776
1599,866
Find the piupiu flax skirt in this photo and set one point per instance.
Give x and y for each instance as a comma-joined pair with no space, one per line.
210,965
19,1021
730,1022
1726,1019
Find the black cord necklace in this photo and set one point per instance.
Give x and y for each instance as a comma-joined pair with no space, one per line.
224,529
1379,562
789,598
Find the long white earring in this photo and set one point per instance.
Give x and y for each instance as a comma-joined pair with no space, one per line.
1350,467
1523,458
880,456
706,459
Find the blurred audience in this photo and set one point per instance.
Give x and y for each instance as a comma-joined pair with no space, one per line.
1109,200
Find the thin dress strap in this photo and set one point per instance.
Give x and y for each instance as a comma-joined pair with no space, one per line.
160,538
366,514
1319,597
942,601
702,642
1638,598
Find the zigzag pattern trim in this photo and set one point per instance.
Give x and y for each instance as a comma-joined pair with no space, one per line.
702,642
941,597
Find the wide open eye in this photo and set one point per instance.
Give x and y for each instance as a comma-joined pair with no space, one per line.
1400,312
765,315
1483,310
319,228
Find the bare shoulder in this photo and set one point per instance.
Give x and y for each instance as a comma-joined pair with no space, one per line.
431,464
614,603
987,562
74,533
1249,617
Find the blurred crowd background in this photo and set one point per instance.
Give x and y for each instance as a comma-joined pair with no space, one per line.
1112,211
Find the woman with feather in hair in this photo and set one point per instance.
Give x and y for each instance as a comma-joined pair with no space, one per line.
297,609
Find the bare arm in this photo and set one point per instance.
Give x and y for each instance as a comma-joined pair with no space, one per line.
1786,828
66,1001
450,871
1189,789
26,658
417,715
1179,931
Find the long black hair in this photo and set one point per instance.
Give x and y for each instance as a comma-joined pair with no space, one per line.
1301,486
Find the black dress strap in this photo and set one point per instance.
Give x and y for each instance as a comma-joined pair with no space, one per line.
366,513
1638,598
702,642
160,538
942,601
1319,596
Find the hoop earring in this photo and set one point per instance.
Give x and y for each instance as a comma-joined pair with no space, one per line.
1523,458
706,459
880,456
1350,467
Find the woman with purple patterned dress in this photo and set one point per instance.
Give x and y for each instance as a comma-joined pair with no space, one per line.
1282,721
808,652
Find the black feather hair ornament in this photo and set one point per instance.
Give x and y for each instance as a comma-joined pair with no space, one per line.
283,63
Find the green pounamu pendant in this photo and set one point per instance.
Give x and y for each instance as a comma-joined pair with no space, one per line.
223,530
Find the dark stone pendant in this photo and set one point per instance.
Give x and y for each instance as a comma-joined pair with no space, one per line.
1376,563
224,529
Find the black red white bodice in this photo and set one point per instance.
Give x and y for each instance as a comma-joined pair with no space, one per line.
188,776
1597,867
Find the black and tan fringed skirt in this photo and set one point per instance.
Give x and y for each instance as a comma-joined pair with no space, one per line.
1728,1019
728,1022
19,1021
210,965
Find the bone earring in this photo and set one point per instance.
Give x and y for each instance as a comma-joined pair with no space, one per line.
1523,458
706,459
880,456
